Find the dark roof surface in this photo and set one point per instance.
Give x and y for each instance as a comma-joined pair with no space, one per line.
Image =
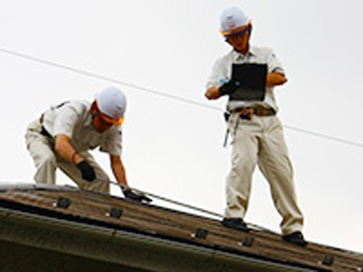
71,204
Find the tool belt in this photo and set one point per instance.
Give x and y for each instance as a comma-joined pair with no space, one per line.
41,119
247,112
45,133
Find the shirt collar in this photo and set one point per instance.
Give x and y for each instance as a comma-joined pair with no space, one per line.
239,56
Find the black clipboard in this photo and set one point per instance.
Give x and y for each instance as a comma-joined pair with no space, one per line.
252,78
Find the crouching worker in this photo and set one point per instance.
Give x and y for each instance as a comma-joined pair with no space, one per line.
63,135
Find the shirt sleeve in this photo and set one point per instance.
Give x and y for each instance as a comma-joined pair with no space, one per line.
274,64
65,121
112,144
217,73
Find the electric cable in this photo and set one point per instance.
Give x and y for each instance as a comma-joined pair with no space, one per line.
327,137
98,76
181,204
162,94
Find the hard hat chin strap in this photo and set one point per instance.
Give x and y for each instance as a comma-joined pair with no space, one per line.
93,110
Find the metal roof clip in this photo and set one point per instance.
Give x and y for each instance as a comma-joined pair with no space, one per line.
247,241
115,213
200,233
328,260
62,202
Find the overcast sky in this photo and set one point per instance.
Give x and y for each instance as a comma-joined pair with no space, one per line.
160,53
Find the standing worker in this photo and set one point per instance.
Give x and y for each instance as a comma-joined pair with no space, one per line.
257,134
63,134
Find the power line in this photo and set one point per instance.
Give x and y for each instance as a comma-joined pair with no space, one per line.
98,76
162,94
320,135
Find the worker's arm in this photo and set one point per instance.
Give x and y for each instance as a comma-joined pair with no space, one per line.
275,79
118,169
64,148
272,79
120,175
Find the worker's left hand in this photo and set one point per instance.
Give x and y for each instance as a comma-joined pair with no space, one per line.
229,87
87,171
136,196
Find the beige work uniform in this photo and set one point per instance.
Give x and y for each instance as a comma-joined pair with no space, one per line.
73,119
257,141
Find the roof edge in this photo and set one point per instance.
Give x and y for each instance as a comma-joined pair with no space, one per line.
85,240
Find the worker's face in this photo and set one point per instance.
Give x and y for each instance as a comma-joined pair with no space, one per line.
100,125
240,42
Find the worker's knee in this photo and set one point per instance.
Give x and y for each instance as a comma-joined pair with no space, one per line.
46,167
243,164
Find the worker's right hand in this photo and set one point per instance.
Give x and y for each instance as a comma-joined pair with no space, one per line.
229,87
87,171
135,195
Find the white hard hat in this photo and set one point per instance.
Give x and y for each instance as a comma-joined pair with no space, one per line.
234,20
111,102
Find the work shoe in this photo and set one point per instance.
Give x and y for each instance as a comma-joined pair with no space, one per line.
296,238
235,223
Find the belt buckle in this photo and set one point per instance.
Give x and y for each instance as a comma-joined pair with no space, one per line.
246,113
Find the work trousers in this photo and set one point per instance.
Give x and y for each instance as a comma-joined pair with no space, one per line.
46,160
261,141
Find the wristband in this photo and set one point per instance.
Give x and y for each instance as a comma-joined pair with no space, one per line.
73,156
